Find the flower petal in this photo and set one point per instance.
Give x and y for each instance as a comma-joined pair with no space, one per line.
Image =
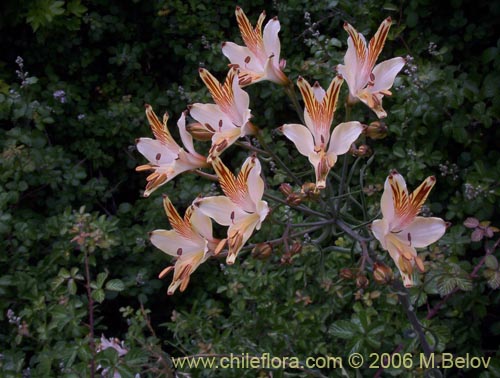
300,136
160,130
312,109
423,231
187,139
252,37
377,42
221,209
172,243
343,136
252,184
272,45
180,226
380,230
211,116
242,56
156,152
385,73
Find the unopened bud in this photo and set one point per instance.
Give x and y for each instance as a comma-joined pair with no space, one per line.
310,190
200,132
363,151
346,273
376,130
361,281
294,199
296,248
262,251
286,189
382,274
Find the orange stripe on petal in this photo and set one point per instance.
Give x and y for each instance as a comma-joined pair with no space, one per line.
407,207
251,37
178,224
377,42
310,102
359,43
330,100
227,180
160,130
419,195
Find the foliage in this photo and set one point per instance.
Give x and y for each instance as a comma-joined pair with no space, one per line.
74,78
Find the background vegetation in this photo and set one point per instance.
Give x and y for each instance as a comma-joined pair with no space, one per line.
74,78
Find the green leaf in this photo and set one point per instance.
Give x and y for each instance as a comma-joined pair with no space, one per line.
99,295
115,285
491,262
343,329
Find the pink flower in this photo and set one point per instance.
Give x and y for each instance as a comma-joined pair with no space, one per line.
242,208
367,82
229,118
260,58
166,158
190,242
314,140
400,230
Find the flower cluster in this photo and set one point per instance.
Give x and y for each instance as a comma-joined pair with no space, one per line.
241,209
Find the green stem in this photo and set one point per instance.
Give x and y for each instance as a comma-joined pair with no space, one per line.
290,91
278,161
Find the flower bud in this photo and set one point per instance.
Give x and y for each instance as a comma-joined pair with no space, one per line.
310,190
361,281
296,248
286,189
363,151
200,132
262,251
376,130
294,199
346,273
382,274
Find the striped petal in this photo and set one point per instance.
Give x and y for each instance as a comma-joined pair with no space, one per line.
408,207
180,226
252,37
377,43
160,130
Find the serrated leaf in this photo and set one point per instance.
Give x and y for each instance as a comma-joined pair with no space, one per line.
115,285
343,329
494,280
99,295
101,277
445,285
72,286
491,262
58,281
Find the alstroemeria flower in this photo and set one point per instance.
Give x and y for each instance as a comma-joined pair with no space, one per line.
260,59
229,118
166,158
367,82
190,242
315,141
242,208
400,230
